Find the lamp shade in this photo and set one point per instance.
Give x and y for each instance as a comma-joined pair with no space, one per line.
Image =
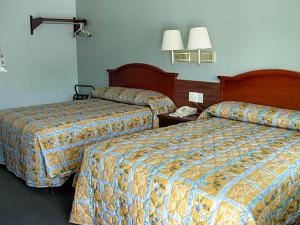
199,39
172,41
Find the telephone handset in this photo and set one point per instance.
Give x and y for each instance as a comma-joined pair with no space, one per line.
184,111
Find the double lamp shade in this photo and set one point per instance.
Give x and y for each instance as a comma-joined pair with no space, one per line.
198,40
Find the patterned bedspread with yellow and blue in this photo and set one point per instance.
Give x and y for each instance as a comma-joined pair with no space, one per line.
44,144
237,164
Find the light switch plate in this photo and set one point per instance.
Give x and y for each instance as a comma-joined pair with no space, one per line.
3,67
196,97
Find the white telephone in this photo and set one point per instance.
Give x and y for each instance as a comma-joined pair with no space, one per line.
184,111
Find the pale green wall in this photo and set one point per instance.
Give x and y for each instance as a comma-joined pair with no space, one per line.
42,68
247,35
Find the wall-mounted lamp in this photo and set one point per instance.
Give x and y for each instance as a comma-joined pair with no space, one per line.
172,41
3,67
198,44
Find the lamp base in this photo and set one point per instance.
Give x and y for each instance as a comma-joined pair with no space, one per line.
194,56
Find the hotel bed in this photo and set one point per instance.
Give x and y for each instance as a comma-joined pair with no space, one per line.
239,163
44,144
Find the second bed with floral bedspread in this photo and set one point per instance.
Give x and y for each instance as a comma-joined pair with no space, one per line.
211,171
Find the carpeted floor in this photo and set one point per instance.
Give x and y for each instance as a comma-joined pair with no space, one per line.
22,205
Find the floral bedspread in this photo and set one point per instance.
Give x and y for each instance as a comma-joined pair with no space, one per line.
158,102
211,171
44,144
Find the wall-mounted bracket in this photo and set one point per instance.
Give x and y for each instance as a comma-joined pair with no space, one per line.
36,22
197,56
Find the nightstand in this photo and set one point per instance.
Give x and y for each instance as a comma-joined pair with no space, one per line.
167,120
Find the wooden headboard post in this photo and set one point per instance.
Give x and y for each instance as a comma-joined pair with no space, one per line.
144,76
277,88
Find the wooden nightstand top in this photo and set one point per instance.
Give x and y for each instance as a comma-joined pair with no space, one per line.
167,120
184,119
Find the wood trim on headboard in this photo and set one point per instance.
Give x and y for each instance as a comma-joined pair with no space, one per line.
144,76
277,88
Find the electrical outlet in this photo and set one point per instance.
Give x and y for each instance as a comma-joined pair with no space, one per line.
196,97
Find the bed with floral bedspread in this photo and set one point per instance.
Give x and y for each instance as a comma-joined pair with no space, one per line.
44,144
237,164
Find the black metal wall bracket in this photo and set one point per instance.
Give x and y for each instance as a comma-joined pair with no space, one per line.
36,22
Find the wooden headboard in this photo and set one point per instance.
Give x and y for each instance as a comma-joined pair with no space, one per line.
277,88
144,76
